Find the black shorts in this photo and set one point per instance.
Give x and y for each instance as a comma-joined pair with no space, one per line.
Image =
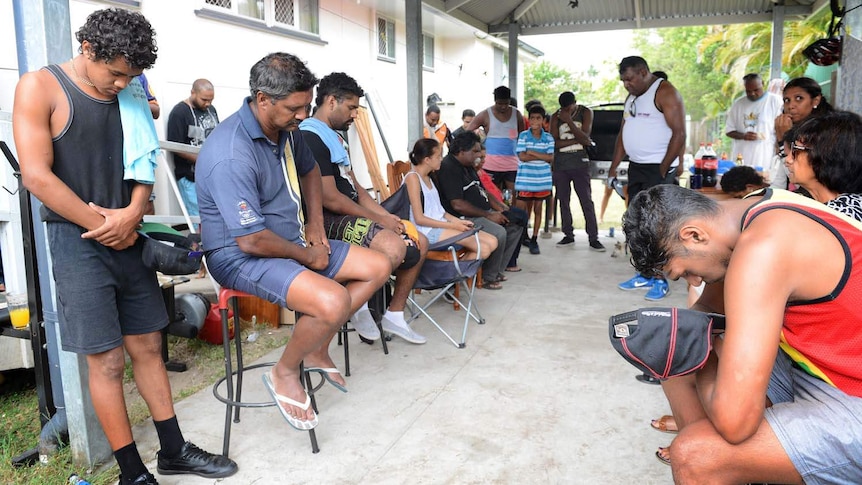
500,177
102,294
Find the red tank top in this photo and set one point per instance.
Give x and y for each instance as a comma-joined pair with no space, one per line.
824,336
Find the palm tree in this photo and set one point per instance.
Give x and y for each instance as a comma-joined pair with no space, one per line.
742,48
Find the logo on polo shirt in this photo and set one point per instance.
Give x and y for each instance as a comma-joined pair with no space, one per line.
246,215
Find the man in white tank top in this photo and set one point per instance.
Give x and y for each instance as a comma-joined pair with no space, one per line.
653,136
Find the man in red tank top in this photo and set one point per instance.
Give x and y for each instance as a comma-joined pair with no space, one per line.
780,398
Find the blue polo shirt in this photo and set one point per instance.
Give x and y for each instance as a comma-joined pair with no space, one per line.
241,183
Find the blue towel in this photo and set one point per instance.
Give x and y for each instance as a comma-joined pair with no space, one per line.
329,137
140,142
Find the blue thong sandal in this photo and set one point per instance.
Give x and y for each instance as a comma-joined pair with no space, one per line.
299,424
325,371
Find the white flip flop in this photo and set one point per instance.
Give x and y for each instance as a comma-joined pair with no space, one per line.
299,424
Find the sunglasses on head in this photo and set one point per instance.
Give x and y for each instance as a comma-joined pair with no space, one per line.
795,149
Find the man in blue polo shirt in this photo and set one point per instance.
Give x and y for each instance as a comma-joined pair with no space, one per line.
265,236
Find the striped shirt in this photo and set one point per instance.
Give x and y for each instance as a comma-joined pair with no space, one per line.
534,175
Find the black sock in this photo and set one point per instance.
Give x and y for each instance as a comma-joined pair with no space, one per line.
534,238
170,437
129,460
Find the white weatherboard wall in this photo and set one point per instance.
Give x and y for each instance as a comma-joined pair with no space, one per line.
192,47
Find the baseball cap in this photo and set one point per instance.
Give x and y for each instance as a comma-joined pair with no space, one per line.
665,342
169,251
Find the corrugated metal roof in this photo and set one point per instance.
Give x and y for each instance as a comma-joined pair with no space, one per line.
560,16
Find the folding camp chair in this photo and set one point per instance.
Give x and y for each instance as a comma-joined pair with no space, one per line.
445,270
395,173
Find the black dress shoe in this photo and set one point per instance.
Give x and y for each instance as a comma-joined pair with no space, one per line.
144,479
197,461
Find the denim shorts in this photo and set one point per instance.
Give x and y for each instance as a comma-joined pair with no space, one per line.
267,278
434,235
102,294
819,426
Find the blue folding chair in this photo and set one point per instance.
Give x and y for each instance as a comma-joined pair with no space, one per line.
443,271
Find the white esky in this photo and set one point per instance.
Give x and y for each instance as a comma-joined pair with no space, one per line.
576,52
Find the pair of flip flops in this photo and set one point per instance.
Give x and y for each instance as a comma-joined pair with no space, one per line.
296,423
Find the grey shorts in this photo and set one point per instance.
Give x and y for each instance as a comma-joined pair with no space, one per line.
819,426
267,278
102,294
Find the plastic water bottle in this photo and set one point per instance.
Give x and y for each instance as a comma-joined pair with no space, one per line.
74,479
507,197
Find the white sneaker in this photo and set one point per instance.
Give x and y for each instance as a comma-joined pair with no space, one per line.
399,327
364,325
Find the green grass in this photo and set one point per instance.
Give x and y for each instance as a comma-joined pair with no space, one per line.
19,407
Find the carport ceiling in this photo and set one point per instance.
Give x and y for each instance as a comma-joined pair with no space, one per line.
562,16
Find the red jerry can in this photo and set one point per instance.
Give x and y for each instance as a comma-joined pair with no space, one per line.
211,331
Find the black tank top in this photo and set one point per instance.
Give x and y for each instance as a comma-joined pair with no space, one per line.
88,153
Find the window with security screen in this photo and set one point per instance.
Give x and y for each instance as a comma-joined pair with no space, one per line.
298,14
385,39
427,52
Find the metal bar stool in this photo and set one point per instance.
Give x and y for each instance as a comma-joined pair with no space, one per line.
377,305
227,300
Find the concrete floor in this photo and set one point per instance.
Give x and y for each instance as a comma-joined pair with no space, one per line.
537,396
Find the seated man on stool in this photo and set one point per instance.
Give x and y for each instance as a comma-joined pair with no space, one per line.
350,214
254,231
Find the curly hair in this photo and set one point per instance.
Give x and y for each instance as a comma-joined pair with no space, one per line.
278,75
653,220
834,148
463,141
737,179
116,32
337,84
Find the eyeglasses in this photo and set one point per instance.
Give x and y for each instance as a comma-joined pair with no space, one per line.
633,111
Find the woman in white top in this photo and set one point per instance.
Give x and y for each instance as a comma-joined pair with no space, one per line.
430,218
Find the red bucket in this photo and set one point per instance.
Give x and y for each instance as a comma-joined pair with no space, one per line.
211,331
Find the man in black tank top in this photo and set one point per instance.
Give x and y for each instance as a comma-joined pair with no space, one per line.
70,141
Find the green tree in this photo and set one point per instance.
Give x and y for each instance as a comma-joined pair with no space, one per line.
545,81
743,48
675,51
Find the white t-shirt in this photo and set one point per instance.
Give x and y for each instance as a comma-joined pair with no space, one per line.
759,117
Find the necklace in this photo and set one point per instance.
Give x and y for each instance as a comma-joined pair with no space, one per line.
78,76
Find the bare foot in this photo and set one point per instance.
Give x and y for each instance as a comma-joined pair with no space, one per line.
287,384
